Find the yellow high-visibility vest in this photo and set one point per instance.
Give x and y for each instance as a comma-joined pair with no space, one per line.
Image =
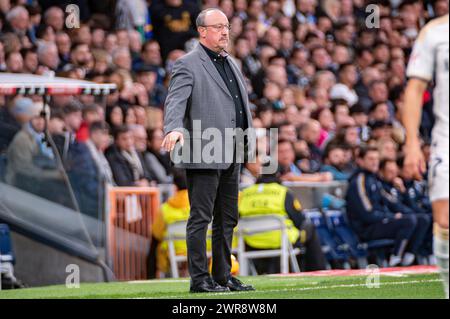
265,199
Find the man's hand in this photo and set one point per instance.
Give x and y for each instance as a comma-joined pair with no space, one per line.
142,183
414,164
398,216
398,183
171,139
326,177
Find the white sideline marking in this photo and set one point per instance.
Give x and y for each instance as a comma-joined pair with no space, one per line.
161,281
305,288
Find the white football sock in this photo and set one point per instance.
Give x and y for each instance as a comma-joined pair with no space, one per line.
441,252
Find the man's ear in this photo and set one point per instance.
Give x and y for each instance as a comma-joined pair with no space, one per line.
201,31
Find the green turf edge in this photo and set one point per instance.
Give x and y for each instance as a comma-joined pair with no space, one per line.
424,286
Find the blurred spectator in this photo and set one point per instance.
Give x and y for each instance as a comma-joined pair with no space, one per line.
290,172
12,118
335,162
311,133
97,144
31,163
155,138
344,89
396,193
156,170
126,164
174,23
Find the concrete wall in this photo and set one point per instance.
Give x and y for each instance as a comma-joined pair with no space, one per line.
41,265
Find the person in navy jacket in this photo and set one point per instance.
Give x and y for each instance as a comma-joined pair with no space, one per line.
396,194
369,212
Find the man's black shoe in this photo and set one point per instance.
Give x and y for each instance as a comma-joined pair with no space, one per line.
208,286
235,284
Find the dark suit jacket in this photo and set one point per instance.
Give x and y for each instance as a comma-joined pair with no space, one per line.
198,99
121,169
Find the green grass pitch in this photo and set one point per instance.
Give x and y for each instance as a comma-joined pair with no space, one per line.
349,287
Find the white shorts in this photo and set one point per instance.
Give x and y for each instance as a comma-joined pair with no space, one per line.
438,175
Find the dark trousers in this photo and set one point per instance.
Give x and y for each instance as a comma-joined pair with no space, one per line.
400,230
313,259
213,195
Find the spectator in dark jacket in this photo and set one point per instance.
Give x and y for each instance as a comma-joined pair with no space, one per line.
369,214
126,164
12,117
79,163
174,23
395,192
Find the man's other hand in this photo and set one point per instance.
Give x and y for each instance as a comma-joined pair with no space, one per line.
171,139
414,163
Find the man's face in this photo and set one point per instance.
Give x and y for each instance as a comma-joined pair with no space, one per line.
92,117
140,140
215,34
390,172
286,155
336,157
100,139
82,55
312,135
381,113
63,43
361,119
148,80
350,75
379,92
125,141
157,139
371,162
152,54
74,120
31,62
288,132
51,58
38,123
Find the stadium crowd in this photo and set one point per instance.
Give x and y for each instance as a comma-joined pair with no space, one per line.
315,69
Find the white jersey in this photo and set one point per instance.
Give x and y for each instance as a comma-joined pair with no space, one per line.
429,61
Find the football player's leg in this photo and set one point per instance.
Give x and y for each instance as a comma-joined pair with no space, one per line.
439,188
440,215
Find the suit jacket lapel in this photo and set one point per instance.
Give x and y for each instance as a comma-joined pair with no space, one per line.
211,69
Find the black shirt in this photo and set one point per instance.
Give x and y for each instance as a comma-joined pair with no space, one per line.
226,73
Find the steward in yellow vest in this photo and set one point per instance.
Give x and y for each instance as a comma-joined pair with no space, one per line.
268,196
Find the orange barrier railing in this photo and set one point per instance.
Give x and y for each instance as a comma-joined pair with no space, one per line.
131,213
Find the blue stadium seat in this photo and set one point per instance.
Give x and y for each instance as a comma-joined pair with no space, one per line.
6,251
334,249
338,224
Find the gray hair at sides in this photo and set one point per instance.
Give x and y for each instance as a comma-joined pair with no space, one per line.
200,21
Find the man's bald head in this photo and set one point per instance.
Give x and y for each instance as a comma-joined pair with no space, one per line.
214,29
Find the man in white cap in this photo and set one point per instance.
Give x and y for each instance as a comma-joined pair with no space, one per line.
29,157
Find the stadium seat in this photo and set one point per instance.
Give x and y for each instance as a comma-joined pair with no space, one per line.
260,224
177,231
7,258
338,224
6,251
333,248
378,248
